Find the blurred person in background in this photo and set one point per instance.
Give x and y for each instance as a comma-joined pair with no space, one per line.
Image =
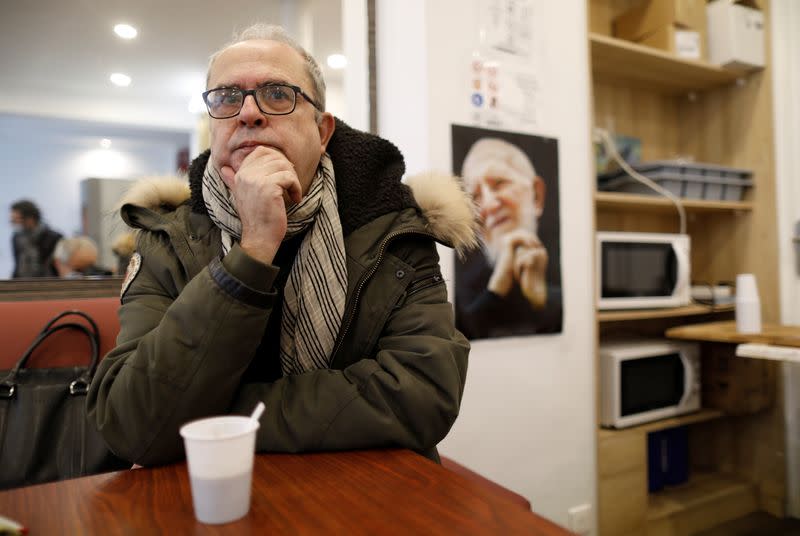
32,241
77,257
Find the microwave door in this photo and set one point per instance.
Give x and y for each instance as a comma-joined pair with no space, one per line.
639,270
651,388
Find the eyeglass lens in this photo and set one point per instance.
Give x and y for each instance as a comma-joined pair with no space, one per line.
271,99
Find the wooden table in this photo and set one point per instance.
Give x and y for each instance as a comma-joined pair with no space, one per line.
725,331
358,492
775,342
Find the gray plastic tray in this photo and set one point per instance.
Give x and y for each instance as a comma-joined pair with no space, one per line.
691,181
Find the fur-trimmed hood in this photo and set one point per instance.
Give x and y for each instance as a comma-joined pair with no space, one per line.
368,172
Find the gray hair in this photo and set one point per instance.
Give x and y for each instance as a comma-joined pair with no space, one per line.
67,247
271,32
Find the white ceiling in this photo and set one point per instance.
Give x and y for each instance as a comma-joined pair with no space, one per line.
56,55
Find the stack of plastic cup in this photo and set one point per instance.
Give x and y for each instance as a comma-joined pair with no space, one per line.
748,304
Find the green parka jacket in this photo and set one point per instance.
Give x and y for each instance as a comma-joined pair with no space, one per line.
192,322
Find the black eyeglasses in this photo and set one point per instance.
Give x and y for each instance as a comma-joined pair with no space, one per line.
271,99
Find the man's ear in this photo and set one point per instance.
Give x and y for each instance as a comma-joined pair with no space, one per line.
327,124
539,190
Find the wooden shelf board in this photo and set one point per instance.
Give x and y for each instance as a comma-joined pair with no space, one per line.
649,203
653,68
692,418
702,490
725,331
669,312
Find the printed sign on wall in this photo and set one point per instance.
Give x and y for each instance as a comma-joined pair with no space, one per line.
504,87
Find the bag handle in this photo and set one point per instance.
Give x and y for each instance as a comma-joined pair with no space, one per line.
94,336
80,385
74,312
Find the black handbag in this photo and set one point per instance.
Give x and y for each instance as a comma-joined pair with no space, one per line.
44,432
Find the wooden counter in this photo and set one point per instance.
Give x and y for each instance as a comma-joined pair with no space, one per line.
725,331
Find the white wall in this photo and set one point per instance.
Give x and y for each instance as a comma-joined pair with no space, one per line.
785,19
528,413
335,101
45,159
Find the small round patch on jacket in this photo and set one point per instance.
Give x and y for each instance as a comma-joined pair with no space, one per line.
134,265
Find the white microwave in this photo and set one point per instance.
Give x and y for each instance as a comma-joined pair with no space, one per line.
647,380
642,270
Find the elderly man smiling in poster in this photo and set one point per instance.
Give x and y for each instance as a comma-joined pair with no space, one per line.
503,290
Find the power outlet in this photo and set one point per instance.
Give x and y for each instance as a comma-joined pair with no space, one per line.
580,519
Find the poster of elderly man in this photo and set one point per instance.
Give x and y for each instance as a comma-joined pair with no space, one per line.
511,286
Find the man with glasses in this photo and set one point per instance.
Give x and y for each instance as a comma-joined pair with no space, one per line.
296,270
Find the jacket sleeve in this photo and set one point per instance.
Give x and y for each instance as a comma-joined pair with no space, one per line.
405,395
181,350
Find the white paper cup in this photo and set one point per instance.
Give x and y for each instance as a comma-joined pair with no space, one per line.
748,304
746,287
219,452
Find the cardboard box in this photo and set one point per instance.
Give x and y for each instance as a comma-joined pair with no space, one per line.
681,42
736,385
652,15
736,34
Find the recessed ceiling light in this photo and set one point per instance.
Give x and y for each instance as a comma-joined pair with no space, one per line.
337,61
125,31
119,79
105,143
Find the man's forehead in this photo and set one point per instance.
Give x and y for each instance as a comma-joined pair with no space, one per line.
258,58
496,169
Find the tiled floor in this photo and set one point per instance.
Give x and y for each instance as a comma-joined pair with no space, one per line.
757,524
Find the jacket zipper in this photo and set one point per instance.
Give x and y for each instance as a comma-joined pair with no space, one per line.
366,277
422,284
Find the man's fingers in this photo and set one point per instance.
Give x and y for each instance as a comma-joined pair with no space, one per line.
290,184
529,258
521,237
228,176
295,192
534,288
270,168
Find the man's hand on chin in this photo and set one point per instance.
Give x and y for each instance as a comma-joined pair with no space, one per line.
260,190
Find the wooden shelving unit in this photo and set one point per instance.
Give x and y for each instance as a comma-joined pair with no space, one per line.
649,203
653,69
671,312
682,108
692,418
719,497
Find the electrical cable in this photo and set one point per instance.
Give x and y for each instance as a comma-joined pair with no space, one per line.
611,147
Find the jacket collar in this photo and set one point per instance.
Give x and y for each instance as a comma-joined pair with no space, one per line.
368,173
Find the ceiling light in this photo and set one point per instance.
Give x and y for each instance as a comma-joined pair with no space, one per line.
337,61
119,79
125,31
105,143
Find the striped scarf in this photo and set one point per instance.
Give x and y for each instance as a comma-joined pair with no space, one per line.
314,296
